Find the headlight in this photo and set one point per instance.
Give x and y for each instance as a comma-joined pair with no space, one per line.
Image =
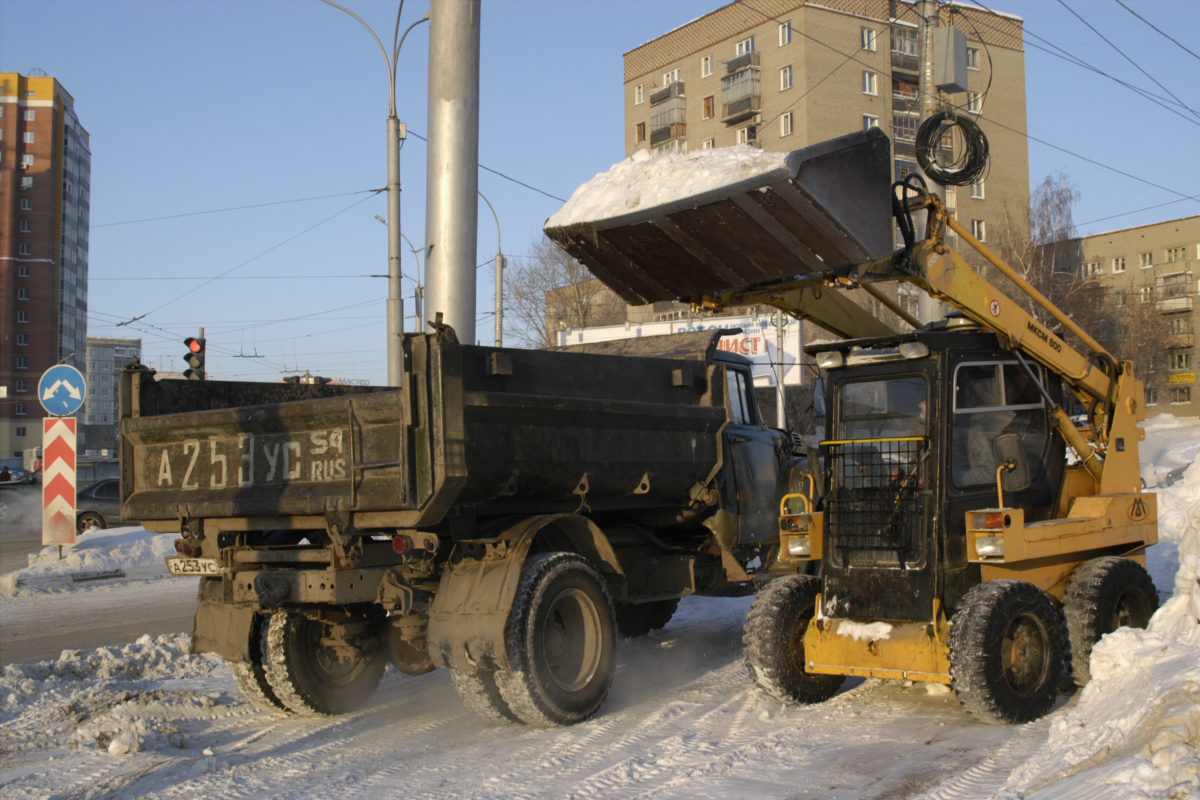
989,546
799,547
830,359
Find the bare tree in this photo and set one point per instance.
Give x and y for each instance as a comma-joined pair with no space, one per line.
547,291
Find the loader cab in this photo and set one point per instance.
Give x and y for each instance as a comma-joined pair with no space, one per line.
917,426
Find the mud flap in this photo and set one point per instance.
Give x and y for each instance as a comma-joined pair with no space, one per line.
223,629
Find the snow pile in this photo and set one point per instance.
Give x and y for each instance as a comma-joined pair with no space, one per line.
118,552
116,699
1179,521
641,182
1170,442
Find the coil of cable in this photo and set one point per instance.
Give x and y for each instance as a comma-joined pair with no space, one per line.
965,167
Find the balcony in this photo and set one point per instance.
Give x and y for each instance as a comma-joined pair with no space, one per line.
741,62
1175,304
666,93
905,149
741,109
904,104
905,63
660,135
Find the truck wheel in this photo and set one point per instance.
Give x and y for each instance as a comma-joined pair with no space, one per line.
251,677
561,642
480,694
774,642
638,619
312,678
1102,595
1007,646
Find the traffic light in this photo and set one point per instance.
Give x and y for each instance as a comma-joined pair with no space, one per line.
195,359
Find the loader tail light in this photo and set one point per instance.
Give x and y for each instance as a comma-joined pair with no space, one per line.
993,520
184,549
401,544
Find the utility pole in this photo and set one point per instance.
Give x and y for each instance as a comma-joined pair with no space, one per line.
780,338
452,171
928,309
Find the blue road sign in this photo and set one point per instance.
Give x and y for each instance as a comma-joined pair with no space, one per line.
62,390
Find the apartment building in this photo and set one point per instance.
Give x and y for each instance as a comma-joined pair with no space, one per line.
105,360
45,184
784,74
1150,274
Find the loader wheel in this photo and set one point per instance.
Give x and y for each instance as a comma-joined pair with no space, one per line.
481,695
1007,646
774,642
313,678
1102,595
251,677
638,619
561,642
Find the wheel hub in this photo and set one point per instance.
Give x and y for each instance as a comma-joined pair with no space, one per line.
1024,654
571,640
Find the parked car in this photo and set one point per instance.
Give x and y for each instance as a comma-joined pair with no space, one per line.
98,505
20,477
1175,475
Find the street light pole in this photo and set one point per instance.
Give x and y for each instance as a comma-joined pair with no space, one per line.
395,133
419,291
499,278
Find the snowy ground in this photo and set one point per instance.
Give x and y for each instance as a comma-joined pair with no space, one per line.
682,720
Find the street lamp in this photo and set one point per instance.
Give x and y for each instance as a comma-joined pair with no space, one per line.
395,132
499,278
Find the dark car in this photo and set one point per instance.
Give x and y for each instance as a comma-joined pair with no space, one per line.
1175,475
98,505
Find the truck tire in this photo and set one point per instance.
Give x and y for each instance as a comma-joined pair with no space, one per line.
481,695
251,677
561,642
307,677
638,619
774,642
1102,595
1007,646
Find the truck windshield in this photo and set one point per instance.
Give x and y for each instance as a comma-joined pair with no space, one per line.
883,408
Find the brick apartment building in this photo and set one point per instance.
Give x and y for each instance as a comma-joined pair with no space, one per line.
45,183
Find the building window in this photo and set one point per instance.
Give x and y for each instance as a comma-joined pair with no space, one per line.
670,77
1151,396
785,33
27,137
706,66
1118,265
870,121
1181,394
22,339
22,270
27,161
26,204
1179,361
977,190
904,129
744,46
785,78
710,106
26,183
23,250
1174,254
708,144
1146,260
866,38
23,316
20,386
19,432
639,94
904,41
1091,270
745,135
19,409
905,168
22,294
974,103
26,226
785,124
972,58
979,229
870,83
1179,326
30,115
641,132
1119,297
1145,294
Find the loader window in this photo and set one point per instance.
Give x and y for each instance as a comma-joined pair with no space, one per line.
878,409
990,399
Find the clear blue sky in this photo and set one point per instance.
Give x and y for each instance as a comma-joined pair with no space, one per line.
193,106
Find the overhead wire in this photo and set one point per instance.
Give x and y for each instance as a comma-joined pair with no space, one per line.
1152,25
234,208
501,174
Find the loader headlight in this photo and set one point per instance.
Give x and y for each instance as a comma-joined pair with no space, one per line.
989,546
830,359
799,547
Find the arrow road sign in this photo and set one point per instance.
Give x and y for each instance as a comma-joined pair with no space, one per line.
62,390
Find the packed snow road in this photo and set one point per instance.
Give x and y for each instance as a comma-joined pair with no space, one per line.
682,720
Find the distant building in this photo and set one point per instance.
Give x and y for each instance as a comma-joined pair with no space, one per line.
101,414
45,185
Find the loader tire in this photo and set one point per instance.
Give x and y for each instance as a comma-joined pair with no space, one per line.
774,642
561,642
251,677
638,619
312,679
481,695
1102,595
1007,647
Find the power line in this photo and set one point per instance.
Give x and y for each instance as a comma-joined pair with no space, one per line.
234,208
1151,24
241,278
501,174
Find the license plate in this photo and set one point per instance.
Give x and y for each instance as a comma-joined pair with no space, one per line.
193,566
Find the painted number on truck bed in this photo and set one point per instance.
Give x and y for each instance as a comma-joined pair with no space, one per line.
219,462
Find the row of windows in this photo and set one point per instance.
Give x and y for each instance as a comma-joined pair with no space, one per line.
706,62
1146,260
1179,394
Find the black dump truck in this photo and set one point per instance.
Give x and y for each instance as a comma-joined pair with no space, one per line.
505,514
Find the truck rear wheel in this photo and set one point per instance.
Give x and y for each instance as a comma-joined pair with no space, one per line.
638,619
1102,595
561,642
481,695
312,677
251,677
1007,646
774,642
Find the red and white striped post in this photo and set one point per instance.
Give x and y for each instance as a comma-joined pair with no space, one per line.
58,481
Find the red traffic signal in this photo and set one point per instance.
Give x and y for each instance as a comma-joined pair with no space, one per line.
193,344
194,358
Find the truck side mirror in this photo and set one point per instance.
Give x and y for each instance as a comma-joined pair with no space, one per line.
819,397
1008,450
